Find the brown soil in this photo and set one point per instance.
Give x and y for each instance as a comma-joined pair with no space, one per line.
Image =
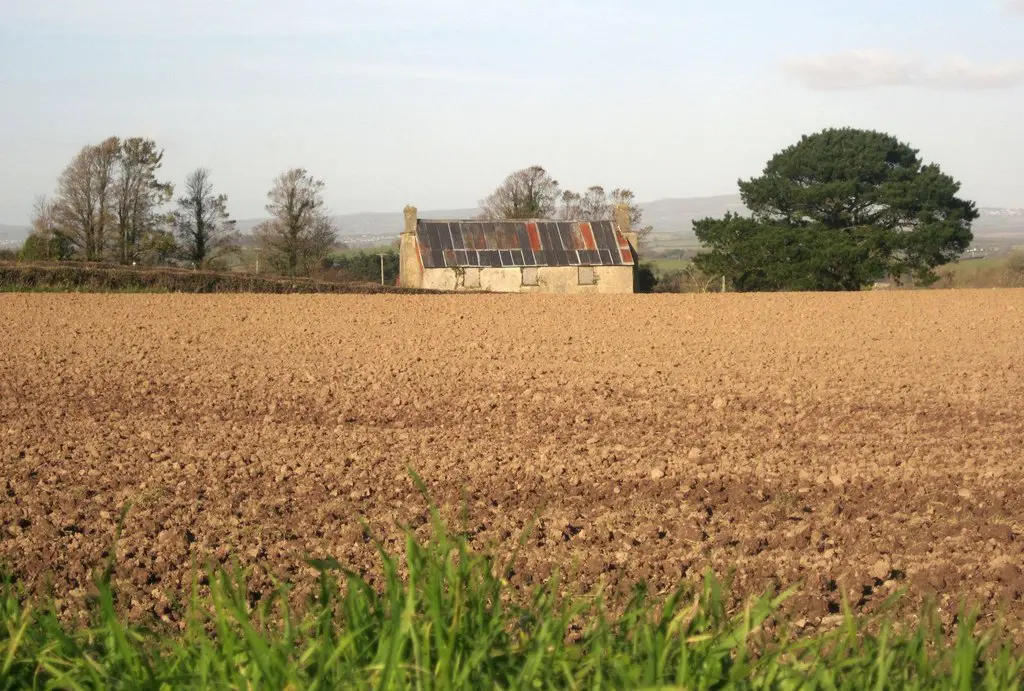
854,444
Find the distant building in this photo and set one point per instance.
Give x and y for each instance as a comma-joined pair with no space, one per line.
530,256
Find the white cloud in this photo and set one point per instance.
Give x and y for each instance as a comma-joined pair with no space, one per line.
865,69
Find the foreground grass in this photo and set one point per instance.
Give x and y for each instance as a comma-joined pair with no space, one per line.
448,624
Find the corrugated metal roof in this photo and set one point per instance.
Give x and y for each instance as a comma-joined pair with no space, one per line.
444,244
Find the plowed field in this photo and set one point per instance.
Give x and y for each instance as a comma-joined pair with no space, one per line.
854,444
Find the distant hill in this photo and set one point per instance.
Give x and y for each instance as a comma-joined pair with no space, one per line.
678,215
13,236
1007,224
674,215
668,216
372,223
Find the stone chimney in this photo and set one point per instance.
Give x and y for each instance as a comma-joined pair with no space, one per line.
410,219
410,269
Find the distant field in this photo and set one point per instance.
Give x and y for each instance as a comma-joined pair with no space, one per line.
662,242
664,266
991,272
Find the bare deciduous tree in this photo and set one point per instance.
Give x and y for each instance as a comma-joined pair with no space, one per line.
621,195
699,281
108,201
533,193
596,204
1015,270
44,241
300,232
592,205
201,222
139,196
82,211
44,221
527,193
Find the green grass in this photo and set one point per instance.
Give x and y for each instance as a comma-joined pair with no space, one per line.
449,620
660,242
667,266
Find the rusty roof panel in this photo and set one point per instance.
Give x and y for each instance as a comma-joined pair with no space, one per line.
521,243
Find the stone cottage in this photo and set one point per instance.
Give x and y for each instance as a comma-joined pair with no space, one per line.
521,256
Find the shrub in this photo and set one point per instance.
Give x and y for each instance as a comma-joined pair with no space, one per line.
646,280
106,278
45,248
689,279
362,266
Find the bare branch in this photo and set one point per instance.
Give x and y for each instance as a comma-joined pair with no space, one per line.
526,193
300,232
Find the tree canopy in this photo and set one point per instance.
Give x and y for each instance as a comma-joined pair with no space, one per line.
836,211
300,232
138,198
527,193
201,222
107,205
533,193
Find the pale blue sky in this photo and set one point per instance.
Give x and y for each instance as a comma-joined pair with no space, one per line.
433,102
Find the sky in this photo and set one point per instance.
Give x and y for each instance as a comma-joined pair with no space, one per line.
434,102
